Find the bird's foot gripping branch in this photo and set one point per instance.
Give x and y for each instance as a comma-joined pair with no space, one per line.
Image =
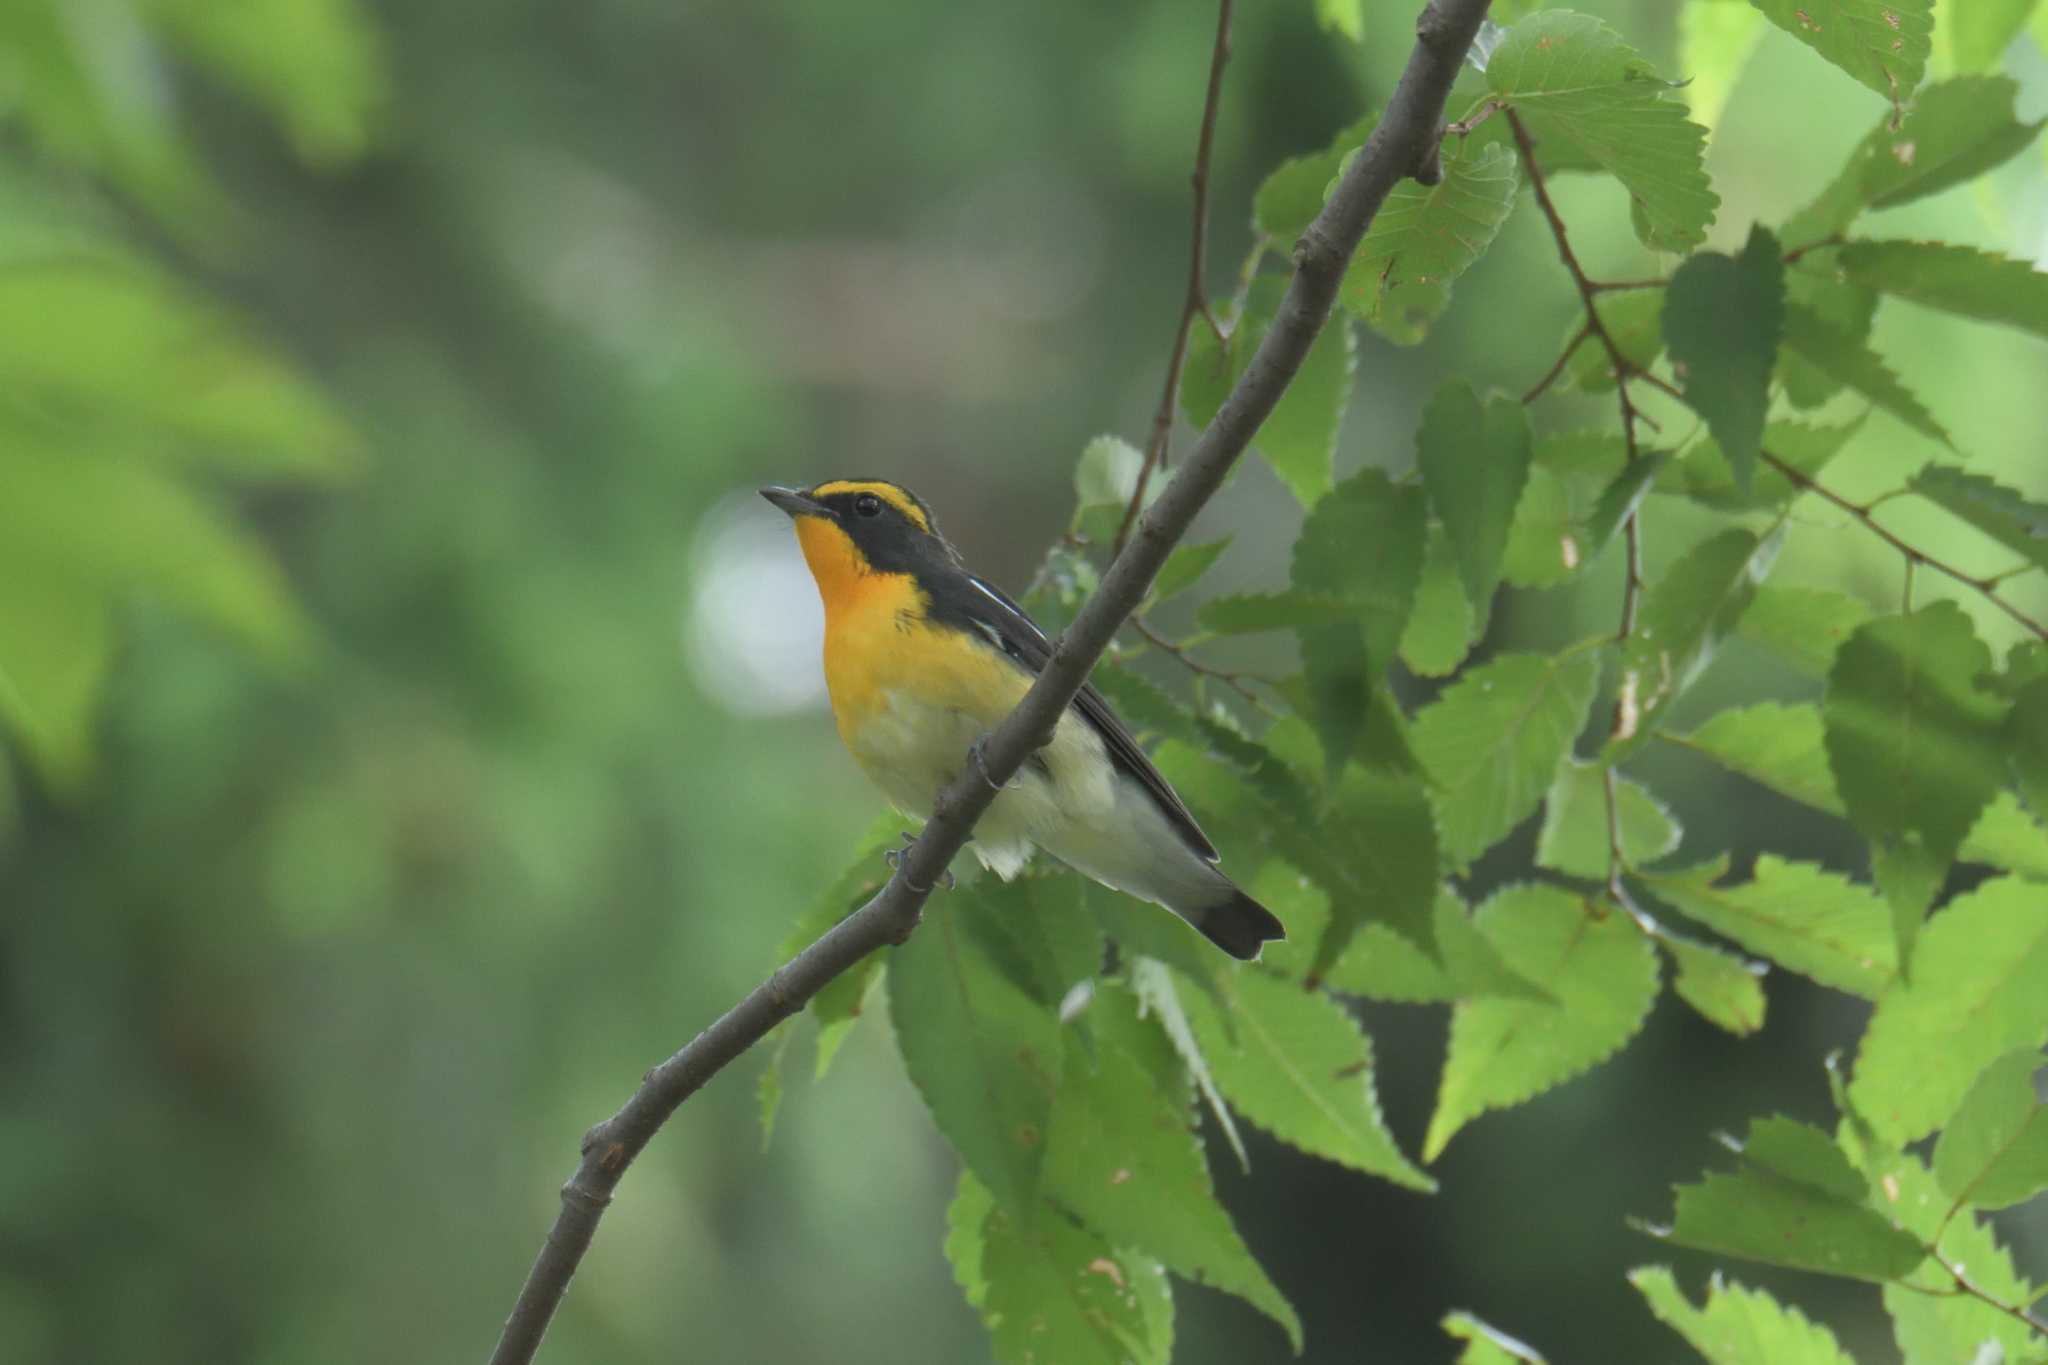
1381,741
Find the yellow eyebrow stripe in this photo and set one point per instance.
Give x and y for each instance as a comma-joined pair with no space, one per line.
887,492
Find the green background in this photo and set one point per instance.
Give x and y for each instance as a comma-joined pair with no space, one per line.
309,987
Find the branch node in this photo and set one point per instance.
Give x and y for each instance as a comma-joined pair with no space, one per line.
589,1200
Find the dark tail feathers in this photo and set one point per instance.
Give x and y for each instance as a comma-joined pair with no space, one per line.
1237,925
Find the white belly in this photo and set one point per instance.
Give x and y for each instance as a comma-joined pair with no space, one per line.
1073,803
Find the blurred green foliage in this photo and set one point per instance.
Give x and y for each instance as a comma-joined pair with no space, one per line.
332,913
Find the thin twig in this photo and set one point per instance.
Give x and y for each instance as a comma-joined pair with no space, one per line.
1616,286
1235,681
1624,370
1196,302
1977,1291
1986,587
1404,141
1564,358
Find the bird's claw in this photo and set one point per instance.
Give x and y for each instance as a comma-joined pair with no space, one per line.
979,753
894,858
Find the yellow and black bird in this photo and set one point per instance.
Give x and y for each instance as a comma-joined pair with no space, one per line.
922,659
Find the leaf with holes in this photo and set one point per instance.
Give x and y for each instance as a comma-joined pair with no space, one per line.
1974,994
1954,131
1121,1156
1504,1051
1881,43
1573,80
1048,1289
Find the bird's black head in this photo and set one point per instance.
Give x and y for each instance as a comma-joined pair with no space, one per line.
887,523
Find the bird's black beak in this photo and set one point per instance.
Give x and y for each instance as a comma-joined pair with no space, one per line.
794,501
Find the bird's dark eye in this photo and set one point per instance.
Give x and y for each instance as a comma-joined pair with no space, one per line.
867,505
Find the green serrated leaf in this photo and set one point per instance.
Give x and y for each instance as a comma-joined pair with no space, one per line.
1799,915
1882,44
1185,566
1159,998
1635,320
1036,931
1289,198
1121,1156
1685,616
1846,360
985,1056
1715,41
1913,745
1802,626
1781,747
1953,279
1566,515
2004,514
1493,740
1738,1326
1815,282
1954,131
1726,990
1296,1064
1141,931
1932,1322
1573,80
1768,1213
1376,855
1574,835
1994,1152
1803,1154
1506,1051
1723,316
1474,460
1107,474
1055,1291
1247,613
1380,964
1486,1344
1703,474
2026,745
1974,993
1439,632
1364,543
1300,436
1424,237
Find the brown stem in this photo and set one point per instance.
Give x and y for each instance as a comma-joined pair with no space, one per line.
1233,680
1196,301
1986,587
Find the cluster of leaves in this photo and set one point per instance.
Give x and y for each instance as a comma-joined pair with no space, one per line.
126,396
1066,1039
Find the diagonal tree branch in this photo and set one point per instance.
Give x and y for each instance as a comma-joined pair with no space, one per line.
1403,144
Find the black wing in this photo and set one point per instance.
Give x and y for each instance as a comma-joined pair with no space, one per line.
982,607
